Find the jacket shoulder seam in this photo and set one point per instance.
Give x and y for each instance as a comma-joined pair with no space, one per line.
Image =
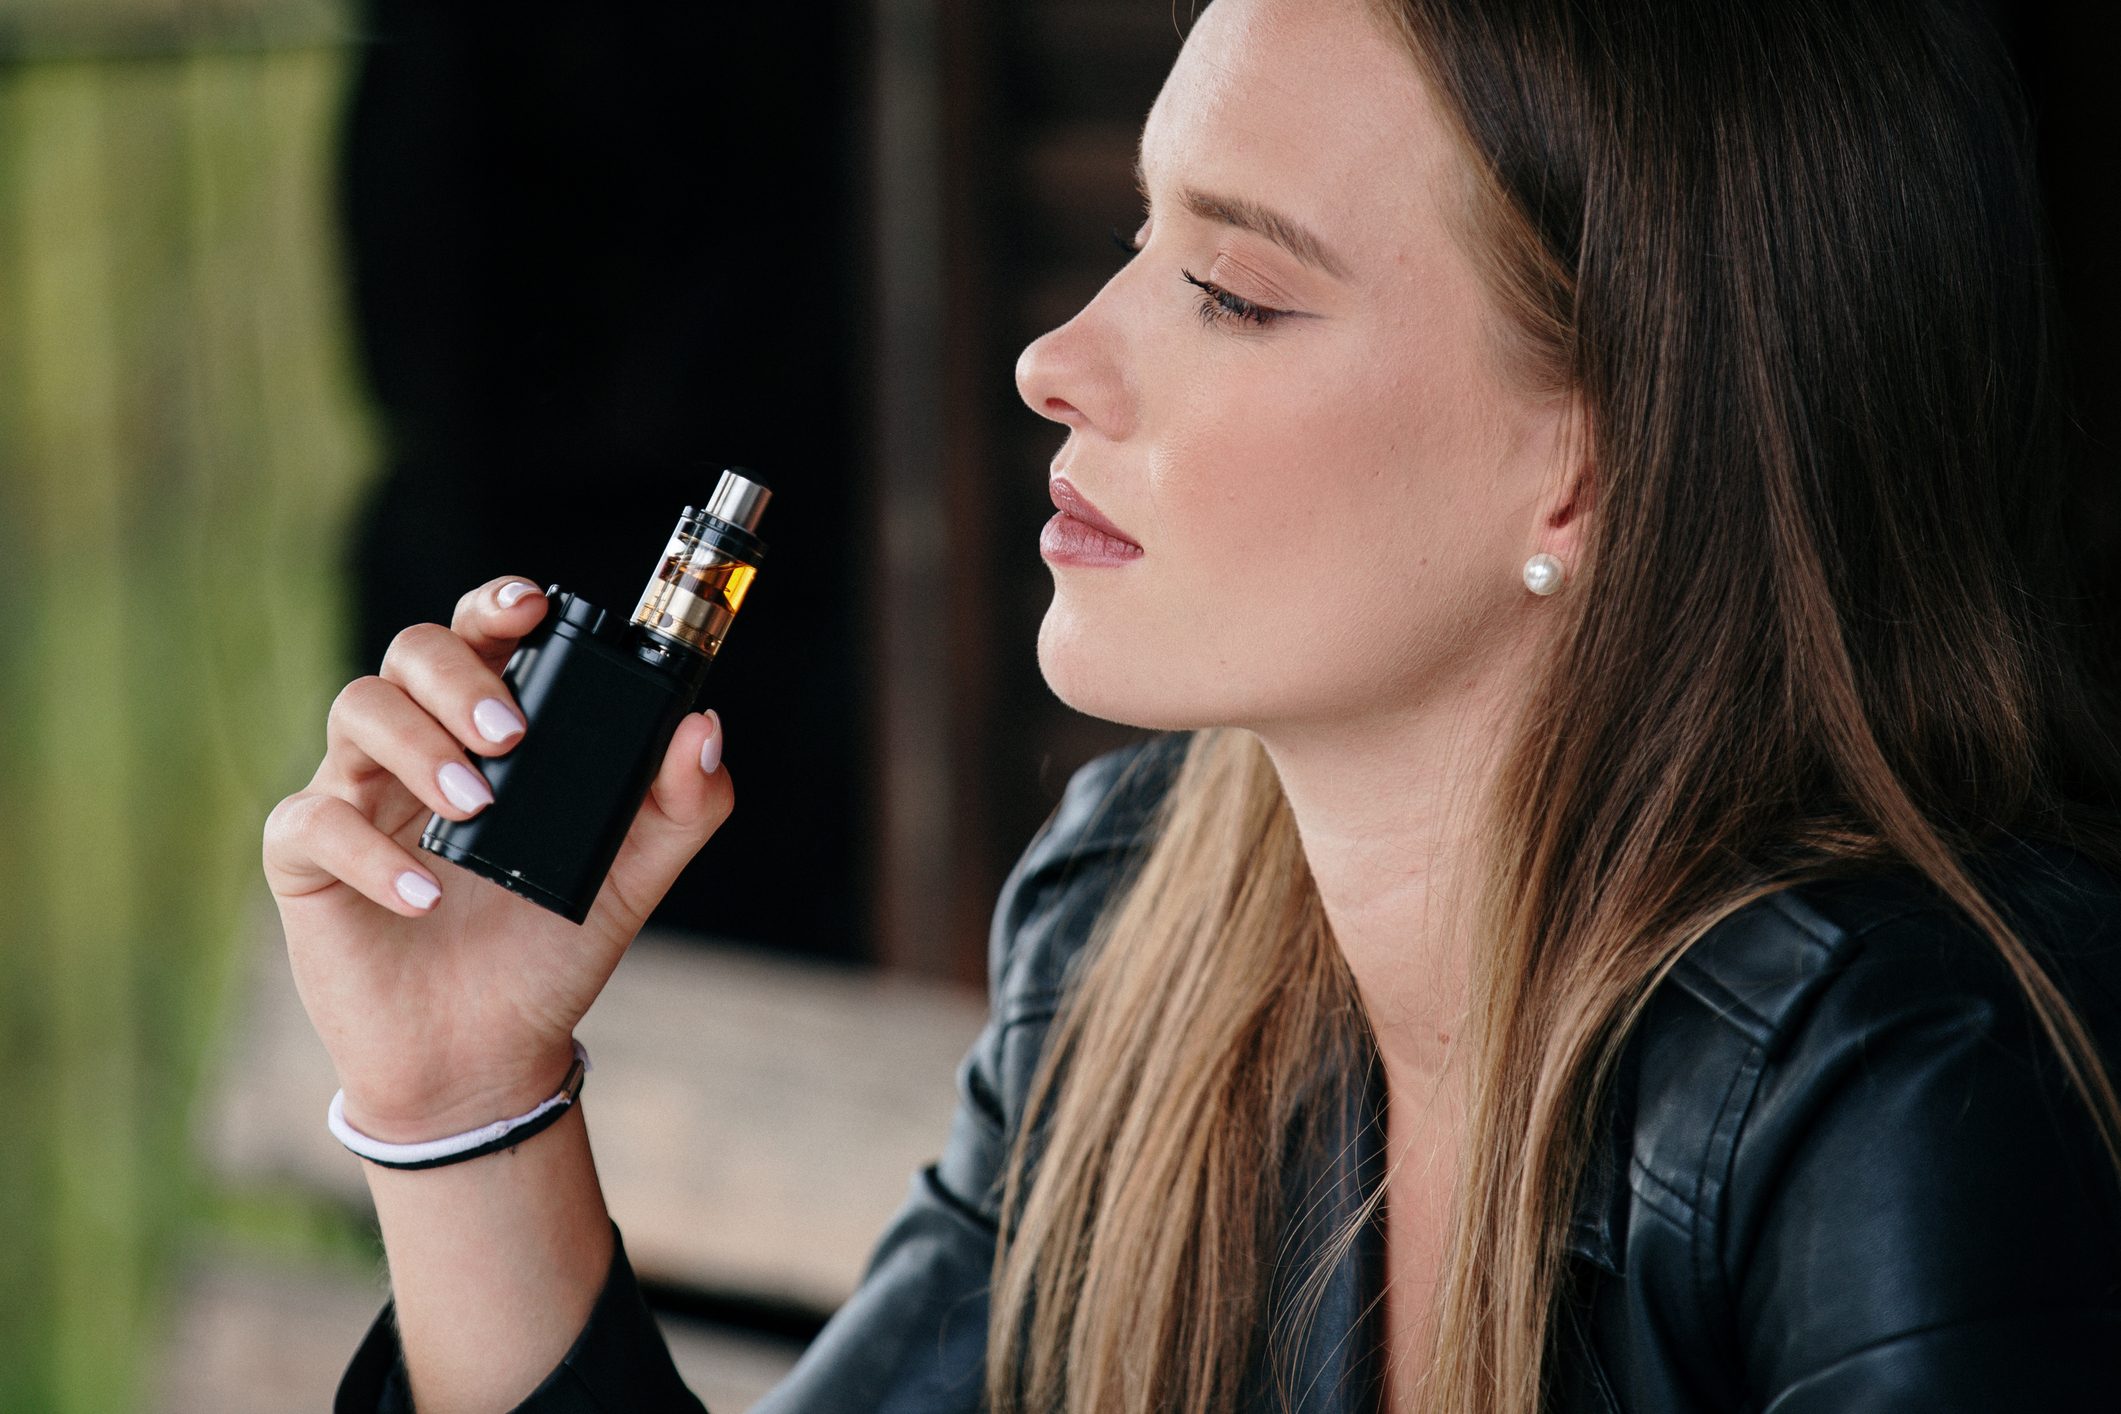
1706,973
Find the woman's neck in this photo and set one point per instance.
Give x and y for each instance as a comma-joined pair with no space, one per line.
1386,808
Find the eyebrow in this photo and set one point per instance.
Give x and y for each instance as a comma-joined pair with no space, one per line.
1251,216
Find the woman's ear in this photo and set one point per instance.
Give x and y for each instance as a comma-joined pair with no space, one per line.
1564,523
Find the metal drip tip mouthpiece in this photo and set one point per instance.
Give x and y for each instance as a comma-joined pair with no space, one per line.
738,499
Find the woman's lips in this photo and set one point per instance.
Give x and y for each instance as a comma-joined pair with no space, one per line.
1080,534
1075,503
1075,542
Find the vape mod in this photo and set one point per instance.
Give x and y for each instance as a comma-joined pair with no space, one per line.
601,698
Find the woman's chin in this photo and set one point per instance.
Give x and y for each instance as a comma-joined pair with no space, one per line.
1100,676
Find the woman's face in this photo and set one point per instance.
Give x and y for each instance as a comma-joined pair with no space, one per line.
1334,506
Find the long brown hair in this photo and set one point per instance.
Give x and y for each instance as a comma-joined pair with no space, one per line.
1789,254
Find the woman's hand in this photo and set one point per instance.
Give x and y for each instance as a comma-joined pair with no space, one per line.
445,1015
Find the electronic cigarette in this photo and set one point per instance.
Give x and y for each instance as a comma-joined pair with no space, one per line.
601,698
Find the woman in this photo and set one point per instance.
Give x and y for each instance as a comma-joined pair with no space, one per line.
1623,912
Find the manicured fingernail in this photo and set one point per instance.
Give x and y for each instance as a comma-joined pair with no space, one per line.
494,720
711,748
512,592
464,787
417,889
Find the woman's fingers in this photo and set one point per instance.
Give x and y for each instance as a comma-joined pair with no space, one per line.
686,804
491,618
376,734
691,793
314,840
441,672
437,696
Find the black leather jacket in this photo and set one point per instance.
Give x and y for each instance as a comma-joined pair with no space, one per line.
1839,1172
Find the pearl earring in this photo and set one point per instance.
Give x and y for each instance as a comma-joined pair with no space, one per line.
1542,574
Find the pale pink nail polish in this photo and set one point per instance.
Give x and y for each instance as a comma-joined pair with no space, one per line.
494,720
417,889
511,593
466,789
711,748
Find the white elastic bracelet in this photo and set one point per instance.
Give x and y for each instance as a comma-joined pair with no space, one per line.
432,1153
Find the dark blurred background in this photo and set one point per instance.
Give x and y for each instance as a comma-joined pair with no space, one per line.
594,255
597,254
314,315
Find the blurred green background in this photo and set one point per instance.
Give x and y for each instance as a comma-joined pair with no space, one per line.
180,446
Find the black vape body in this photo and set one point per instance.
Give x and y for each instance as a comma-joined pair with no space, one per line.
601,696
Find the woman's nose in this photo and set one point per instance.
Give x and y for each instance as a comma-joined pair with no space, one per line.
1035,382
1069,375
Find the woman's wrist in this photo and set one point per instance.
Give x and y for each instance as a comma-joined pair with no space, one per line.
464,1145
418,1108
495,1265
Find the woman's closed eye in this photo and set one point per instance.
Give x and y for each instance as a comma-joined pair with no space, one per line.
1217,305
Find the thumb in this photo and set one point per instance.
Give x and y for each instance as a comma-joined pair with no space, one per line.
685,805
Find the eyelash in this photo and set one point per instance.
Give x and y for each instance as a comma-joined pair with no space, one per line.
1217,305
